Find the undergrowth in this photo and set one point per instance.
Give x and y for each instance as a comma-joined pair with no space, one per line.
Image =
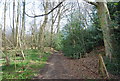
25,69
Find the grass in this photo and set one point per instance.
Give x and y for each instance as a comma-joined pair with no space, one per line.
25,69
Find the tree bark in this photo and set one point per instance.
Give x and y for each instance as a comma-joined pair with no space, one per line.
4,35
17,24
0,39
105,22
59,19
102,67
13,29
33,37
23,24
52,31
54,17
41,32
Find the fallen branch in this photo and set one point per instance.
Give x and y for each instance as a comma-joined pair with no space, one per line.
102,66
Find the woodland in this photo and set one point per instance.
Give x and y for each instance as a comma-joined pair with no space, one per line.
47,39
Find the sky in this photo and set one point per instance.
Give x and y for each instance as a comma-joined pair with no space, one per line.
30,9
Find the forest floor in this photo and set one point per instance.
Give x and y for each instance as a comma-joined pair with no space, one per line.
39,65
61,67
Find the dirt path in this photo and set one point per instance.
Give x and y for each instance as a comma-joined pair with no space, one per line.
60,67
55,69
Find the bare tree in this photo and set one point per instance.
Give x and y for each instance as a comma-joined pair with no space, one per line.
17,24
13,29
33,31
0,37
23,24
59,19
53,18
4,35
41,32
47,12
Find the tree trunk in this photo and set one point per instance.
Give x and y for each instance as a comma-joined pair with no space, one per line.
21,48
52,31
59,19
0,39
41,32
102,67
33,38
13,29
35,33
104,18
23,24
17,24
58,14
4,35
34,30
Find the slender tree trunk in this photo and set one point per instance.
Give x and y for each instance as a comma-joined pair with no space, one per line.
23,24
0,39
41,32
13,29
105,22
18,39
33,38
34,30
52,31
59,19
35,33
17,24
4,35
102,67
22,38
21,48
58,14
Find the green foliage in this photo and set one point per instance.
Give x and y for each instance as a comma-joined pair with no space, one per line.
57,41
25,69
114,9
47,41
79,39
112,66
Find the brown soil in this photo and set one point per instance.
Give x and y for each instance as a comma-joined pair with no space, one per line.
61,67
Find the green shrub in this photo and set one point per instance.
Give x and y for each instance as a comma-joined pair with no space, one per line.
78,40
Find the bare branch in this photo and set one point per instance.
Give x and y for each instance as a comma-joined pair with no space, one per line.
46,13
92,3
